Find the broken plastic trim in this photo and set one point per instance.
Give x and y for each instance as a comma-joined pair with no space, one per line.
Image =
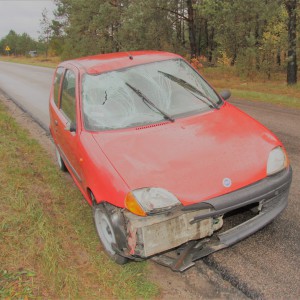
276,189
262,190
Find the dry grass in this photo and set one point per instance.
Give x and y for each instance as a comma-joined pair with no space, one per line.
49,62
273,91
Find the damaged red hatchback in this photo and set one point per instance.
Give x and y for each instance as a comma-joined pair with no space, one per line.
162,158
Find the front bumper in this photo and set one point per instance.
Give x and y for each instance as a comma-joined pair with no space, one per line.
271,197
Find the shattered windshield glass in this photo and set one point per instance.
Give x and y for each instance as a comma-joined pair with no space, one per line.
144,94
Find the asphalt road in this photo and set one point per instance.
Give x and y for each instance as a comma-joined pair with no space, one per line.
266,265
29,87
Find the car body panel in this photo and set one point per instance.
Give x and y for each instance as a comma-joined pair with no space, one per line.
67,142
99,175
175,155
97,64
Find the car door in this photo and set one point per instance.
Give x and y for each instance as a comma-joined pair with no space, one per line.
66,123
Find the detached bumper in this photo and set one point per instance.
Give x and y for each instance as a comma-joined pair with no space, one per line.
271,196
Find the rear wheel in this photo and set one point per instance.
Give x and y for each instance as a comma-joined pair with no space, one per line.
106,233
60,161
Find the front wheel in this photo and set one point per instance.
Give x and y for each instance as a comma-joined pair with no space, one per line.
107,233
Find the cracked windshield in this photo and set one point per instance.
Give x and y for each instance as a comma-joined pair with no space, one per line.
144,94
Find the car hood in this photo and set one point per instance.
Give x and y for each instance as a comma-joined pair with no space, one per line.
195,158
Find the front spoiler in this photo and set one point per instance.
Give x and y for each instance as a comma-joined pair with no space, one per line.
272,195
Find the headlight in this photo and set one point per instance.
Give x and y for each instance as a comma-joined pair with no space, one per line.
147,201
277,161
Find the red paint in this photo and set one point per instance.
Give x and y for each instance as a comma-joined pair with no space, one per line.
190,157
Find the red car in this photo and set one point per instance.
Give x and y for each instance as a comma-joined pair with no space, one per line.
162,158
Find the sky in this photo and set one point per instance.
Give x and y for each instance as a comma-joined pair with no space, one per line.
23,16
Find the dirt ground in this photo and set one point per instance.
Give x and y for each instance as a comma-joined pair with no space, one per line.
199,282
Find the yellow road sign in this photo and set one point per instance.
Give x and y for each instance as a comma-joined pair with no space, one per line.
7,48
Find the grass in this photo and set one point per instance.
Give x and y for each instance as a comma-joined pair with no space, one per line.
273,91
16,285
42,61
284,100
48,244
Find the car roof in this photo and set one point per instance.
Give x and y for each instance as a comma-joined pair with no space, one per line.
101,63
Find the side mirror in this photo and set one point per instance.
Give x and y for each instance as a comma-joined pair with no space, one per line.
71,126
225,94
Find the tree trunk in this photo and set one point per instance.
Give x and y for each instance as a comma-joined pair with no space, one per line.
257,41
291,6
278,57
178,21
192,27
211,44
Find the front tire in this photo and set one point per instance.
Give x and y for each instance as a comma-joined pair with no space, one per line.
107,233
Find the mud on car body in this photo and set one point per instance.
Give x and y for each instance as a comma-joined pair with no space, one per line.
162,158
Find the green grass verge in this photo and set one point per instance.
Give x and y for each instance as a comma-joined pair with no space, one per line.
283,100
48,245
273,91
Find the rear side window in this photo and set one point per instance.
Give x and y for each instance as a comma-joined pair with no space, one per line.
68,99
59,73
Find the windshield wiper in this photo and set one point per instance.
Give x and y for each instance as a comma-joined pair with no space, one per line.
149,102
191,89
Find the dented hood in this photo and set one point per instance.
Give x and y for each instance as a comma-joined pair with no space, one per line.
195,158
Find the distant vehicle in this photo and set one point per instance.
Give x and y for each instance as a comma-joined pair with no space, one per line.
162,158
32,53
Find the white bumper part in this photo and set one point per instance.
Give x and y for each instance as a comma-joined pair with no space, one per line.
154,234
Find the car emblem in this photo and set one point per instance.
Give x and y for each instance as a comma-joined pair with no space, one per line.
227,182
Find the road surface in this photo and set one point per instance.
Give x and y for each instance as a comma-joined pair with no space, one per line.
29,87
266,265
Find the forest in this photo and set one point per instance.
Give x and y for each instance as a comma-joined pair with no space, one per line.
255,36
